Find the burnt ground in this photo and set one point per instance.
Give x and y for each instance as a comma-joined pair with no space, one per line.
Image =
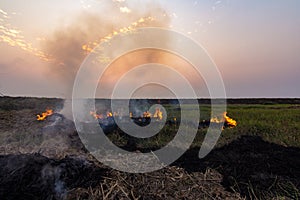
33,176
39,161
248,167
252,167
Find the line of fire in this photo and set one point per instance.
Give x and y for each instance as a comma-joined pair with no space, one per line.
107,119
158,115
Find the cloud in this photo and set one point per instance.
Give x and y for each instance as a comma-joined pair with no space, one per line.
125,10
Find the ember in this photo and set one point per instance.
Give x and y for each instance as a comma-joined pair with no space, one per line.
44,115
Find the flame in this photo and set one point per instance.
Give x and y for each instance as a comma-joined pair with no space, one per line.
44,115
101,116
216,120
158,114
224,119
230,122
95,115
109,114
147,114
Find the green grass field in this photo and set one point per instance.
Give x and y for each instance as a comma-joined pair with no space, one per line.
276,123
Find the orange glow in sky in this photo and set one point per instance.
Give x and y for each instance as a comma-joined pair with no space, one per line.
255,44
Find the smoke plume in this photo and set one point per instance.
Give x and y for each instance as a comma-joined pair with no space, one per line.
70,44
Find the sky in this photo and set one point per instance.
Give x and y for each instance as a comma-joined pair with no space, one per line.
255,44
